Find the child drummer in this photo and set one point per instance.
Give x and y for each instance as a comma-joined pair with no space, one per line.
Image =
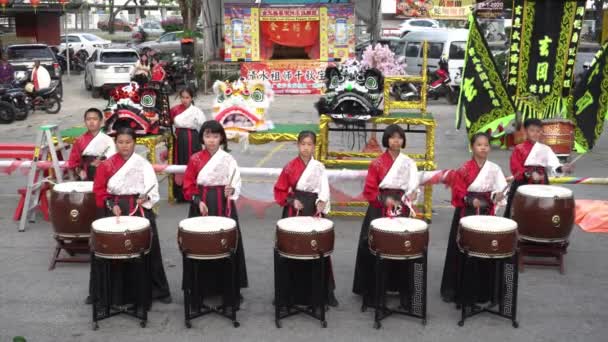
476,186
91,148
303,190
125,185
390,188
212,182
532,161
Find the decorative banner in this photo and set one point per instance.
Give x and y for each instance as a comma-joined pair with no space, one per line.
437,9
238,33
308,13
544,39
591,102
340,32
288,77
484,103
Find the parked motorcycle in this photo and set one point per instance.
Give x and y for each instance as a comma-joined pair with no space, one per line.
7,113
77,60
181,73
44,99
439,84
15,95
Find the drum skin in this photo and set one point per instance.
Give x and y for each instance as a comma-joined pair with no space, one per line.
559,135
305,245
72,213
398,245
121,245
207,245
486,244
543,219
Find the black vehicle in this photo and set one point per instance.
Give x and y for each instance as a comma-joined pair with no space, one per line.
15,95
77,60
7,113
180,73
23,56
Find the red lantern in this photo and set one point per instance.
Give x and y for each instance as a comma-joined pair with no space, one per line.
63,3
35,4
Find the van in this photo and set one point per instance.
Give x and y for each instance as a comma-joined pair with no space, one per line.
450,43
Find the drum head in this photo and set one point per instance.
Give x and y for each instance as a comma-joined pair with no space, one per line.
122,224
486,223
305,224
207,224
544,191
399,224
74,187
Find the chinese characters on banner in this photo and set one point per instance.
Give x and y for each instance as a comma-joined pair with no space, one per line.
241,34
590,102
292,77
544,38
484,104
436,9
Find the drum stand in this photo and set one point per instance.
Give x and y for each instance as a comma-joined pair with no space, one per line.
417,303
532,251
105,310
72,246
508,289
284,310
194,306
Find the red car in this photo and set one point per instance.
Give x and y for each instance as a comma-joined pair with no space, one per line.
119,25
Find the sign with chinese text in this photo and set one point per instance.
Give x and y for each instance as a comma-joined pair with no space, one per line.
288,77
241,34
484,104
591,102
544,40
437,9
305,13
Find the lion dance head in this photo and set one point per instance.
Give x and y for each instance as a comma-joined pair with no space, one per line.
241,106
145,109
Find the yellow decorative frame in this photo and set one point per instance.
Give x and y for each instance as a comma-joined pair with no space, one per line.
424,161
391,103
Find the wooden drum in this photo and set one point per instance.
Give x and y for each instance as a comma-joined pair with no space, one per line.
559,135
398,238
487,236
72,209
544,213
207,237
121,237
305,237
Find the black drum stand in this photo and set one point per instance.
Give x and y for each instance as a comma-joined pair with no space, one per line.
71,246
283,308
103,307
507,296
416,306
194,305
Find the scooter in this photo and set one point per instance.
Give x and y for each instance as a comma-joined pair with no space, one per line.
44,99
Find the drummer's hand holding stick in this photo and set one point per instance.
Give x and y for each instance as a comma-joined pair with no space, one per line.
297,204
203,208
82,174
228,191
320,207
116,211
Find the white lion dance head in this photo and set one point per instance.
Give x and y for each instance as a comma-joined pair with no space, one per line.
241,106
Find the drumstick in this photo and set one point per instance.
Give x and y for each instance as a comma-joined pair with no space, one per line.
577,158
103,153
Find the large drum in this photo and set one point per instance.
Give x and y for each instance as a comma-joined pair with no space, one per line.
559,135
398,237
207,237
544,213
121,237
487,236
72,209
305,237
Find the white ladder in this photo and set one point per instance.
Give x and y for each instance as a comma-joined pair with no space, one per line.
47,136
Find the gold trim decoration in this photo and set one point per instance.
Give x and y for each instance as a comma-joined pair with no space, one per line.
391,103
260,138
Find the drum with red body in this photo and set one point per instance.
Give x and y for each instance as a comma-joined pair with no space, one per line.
487,236
559,135
207,237
305,237
398,237
544,213
72,209
121,237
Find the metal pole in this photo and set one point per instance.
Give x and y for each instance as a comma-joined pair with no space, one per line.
67,47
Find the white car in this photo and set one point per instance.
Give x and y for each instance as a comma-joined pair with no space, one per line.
107,68
84,41
152,27
415,24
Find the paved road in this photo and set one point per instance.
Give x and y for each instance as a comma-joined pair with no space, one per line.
48,306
